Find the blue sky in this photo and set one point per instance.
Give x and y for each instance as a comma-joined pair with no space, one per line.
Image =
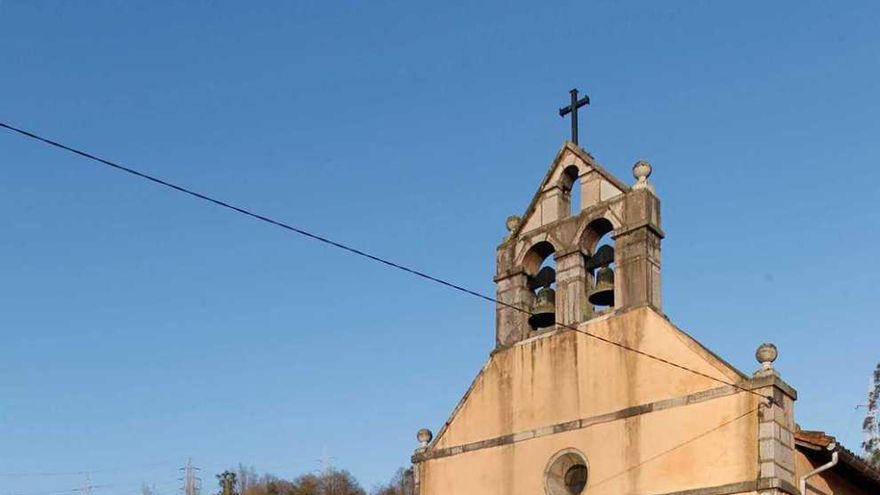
141,327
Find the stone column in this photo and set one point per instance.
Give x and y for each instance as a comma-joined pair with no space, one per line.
571,284
637,252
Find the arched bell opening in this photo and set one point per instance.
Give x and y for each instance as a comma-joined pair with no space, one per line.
540,268
570,184
599,265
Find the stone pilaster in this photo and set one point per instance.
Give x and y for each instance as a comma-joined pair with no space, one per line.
417,476
776,449
637,252
511,325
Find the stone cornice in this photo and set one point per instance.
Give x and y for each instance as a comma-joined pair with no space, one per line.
770,381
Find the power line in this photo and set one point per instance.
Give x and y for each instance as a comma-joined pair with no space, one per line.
36,474
41,474
84,489
87,487
676,447
358,252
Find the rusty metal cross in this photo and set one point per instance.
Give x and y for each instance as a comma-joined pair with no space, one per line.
573,110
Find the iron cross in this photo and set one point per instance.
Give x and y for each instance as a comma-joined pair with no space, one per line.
573,110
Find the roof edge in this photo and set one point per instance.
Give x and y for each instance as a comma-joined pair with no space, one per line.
817,442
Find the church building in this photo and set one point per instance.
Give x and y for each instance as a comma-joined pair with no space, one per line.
591,389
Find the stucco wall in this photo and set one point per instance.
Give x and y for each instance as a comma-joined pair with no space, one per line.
661,452
562,377
568,375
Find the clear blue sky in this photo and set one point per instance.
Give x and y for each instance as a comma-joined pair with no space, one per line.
140,327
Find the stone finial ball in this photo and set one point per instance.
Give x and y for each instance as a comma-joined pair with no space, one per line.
424,436
513,222
642,170
766,353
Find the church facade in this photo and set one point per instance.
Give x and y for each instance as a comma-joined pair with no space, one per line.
591,389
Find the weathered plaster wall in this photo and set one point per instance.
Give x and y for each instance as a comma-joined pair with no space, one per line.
529,397
660,452
568,375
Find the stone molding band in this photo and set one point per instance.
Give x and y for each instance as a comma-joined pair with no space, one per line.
749,486
577,424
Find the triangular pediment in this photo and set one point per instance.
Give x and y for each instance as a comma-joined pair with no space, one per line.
597,183
565,376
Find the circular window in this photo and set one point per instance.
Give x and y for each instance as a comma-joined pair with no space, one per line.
566,473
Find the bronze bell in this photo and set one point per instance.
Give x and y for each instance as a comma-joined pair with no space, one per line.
544,310
603,293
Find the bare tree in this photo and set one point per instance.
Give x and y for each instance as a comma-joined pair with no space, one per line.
270,485
307,484
871,426
401,484
247,479
339,482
